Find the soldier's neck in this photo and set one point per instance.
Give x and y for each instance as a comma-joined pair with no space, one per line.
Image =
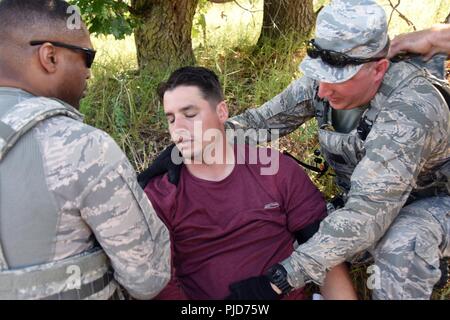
10,83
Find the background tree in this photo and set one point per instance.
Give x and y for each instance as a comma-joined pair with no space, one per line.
162,28
287,18
163,36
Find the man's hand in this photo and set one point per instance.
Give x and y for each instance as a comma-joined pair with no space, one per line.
255,288
162,164
425,42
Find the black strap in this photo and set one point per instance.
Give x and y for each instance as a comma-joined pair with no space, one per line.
322,107
364,127
307,166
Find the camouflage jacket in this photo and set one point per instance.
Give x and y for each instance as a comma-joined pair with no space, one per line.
71,189
407,142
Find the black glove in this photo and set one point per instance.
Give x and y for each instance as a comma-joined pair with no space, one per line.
255,288
162,164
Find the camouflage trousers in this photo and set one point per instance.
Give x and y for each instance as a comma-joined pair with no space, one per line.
407,258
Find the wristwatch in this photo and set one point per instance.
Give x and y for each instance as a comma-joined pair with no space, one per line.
277,275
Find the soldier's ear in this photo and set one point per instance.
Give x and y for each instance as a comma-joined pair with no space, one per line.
380,69
48,57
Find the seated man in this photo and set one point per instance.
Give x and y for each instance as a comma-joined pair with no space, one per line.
228,219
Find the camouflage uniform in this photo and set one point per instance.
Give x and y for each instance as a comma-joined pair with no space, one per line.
395,179
68,196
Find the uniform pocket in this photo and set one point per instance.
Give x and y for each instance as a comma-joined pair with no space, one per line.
427,250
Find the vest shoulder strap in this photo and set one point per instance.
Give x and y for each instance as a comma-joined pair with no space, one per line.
27,114
442,86
369,117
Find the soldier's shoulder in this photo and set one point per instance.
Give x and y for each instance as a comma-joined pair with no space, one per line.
411,96
422,100
76,128
72,137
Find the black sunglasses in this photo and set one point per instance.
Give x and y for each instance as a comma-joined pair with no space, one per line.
334,58
89,54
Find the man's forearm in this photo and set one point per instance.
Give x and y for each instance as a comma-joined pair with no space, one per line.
338,285
426,42
441,38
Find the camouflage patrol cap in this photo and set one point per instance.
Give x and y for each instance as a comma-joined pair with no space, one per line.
357,28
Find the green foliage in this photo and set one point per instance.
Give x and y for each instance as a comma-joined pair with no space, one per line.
199,23
125,105
107,17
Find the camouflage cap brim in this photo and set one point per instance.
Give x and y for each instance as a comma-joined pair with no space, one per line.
321,71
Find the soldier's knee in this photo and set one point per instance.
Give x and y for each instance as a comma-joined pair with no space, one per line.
396,243
407,257
409,272
402,246
416,258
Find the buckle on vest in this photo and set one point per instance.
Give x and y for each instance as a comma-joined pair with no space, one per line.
363,128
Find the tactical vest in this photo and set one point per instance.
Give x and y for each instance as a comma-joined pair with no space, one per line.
77,277
343,151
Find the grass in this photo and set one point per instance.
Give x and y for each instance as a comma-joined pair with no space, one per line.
123,102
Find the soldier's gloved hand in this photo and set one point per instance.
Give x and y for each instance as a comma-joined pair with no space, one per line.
162,164
255,288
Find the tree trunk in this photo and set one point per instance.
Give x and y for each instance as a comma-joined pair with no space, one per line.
163,38
287,18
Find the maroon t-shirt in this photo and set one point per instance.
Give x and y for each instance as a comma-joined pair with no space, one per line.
227,231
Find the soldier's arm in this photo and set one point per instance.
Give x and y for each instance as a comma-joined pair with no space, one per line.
126,225
285,112
396,150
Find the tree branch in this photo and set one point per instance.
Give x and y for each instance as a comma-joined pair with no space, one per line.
401,15
243,8
130,8
220,1
237,3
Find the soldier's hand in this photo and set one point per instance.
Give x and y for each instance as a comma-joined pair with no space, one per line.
426,42
255,288
162,164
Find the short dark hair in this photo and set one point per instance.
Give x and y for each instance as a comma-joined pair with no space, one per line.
206,80
27,15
